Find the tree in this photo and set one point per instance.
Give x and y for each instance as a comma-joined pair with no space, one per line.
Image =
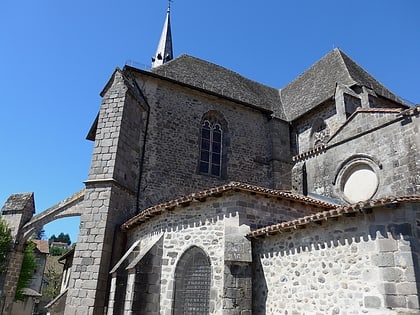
63,238
5,243
52,278
27,271
39,233
57,251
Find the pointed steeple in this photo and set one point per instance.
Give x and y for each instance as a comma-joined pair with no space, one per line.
164,50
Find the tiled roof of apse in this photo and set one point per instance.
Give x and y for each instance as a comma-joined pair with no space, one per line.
218,192
359,207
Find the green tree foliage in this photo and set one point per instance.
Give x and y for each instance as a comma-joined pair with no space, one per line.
27,271
5,243
63,238
57,251
52,279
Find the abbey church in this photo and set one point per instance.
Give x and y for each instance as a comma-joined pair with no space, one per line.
210,193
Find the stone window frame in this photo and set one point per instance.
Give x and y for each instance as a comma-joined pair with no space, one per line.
184,266
214,151
345,168
319,134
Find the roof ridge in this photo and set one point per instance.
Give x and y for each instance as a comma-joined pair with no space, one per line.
381,89
185,55
341,54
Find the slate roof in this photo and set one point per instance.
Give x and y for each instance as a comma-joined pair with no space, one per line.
318,83
218,192
205,75
306,92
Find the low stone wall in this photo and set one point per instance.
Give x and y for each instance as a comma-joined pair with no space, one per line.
366,264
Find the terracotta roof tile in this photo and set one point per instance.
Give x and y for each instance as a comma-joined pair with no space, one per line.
358,207
42,246
217,192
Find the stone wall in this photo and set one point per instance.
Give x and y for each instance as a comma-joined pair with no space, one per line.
366,264
17,210
217,226
172,148
302,128
392,154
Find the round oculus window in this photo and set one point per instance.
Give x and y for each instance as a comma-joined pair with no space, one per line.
360,183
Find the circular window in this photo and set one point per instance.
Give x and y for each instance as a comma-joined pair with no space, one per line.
359,183
358,178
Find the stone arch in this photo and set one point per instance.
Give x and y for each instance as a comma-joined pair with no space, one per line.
192,283
69,207
24,226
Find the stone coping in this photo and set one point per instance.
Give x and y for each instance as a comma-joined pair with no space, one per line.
218,192
359,207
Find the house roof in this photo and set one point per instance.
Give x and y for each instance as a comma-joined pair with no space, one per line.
67,254
318,83
42,246
59,244
218,192
211,77
359,207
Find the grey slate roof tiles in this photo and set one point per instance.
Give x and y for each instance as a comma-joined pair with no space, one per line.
306,92
214,78
318,83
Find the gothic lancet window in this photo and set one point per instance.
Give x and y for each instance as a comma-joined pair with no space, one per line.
211,148
192,283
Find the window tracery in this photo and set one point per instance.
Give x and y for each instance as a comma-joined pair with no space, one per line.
213,132
192,283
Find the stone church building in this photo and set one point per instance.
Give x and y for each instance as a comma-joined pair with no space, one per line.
210,193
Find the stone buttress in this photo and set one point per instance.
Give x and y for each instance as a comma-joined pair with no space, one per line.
110,196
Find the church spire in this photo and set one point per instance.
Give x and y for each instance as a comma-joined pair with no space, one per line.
164,51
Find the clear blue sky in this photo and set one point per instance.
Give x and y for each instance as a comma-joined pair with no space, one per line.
56,56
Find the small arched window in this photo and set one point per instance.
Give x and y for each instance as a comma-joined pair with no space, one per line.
211,147
192,283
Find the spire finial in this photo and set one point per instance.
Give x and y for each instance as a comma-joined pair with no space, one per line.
164,52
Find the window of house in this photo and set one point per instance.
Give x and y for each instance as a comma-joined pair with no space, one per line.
211,148
192,283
